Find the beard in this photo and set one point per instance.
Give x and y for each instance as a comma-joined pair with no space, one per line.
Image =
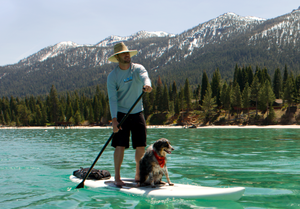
126,60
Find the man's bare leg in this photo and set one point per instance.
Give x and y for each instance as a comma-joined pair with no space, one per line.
139,152
118,159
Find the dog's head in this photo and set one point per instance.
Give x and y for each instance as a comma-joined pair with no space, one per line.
162,147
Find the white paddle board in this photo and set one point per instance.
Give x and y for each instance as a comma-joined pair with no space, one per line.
163,191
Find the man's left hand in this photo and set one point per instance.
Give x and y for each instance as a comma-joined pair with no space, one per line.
147,88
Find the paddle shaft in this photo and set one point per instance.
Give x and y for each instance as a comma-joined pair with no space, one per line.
81,185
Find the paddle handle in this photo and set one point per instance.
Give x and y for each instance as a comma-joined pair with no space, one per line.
81,185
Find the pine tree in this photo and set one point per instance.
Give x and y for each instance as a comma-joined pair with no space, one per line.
227,100
90,114
215,86
6,110
165,98
277,85
237,97
38,115
267,95
32,103
235,74
197,93
54,105
272,115
255,86
77,117
61,114
174,90
76,106
250,75
266,75
44,114
159,94
204,86
187,96
285,76
288,92
152,96
24,113
97,109
146,105
13,108
297,89
223,94
209,102
170,93
246,97
176,106
70,112
7,116
174,97
258,74
240,79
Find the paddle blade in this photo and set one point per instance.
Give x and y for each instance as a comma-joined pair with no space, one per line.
81,185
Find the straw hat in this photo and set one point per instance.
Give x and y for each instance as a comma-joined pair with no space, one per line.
121,48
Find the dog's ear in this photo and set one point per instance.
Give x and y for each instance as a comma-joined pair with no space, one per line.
157,145
160,143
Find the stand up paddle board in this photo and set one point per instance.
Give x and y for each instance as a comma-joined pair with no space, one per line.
163,191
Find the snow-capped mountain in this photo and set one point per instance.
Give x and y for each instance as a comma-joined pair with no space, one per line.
213,31
285,31
111,40
49,52
67,47
221,43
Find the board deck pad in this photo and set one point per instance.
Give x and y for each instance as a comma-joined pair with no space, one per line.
163,191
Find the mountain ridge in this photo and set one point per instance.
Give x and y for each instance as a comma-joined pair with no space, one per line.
222,42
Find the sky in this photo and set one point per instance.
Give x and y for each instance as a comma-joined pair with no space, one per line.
27,26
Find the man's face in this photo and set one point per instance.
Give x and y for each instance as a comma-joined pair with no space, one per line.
124,58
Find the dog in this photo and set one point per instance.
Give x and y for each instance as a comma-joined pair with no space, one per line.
153,163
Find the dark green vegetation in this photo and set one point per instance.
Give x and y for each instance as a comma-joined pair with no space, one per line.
214,101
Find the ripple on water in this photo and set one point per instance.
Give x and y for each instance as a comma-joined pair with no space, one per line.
36,166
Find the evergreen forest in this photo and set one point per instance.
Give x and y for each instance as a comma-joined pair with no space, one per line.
214,101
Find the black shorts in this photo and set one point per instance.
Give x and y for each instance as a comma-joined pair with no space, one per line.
134,123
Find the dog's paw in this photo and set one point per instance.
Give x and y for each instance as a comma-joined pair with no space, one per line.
171,184
153,186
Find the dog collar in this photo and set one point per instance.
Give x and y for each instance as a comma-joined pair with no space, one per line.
161,160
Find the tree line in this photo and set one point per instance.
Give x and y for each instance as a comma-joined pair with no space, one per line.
53,108
248,88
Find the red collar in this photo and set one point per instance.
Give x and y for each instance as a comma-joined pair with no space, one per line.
161,160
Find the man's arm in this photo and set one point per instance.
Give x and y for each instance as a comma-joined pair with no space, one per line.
113,103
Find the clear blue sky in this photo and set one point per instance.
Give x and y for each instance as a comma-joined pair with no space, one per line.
27,26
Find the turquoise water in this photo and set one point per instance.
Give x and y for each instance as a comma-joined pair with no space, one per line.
36,164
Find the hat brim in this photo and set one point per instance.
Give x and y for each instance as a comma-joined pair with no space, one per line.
132,53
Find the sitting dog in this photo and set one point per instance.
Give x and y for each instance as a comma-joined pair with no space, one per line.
153,163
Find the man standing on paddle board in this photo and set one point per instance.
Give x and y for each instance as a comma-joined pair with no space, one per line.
124,85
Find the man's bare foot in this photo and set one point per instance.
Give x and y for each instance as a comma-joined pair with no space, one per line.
137,178
119,183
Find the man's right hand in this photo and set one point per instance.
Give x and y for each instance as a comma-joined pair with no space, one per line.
115,124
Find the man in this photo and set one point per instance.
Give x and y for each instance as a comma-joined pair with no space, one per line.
124,85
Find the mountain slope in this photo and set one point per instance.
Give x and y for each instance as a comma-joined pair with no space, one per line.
220,43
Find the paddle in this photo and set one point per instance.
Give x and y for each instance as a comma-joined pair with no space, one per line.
81,185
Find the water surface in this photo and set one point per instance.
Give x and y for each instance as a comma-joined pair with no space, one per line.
36,165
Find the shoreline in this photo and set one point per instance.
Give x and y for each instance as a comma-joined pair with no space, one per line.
160,127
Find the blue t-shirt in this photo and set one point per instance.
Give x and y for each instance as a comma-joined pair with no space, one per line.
124,87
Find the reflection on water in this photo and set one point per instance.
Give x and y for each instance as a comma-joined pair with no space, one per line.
36,164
